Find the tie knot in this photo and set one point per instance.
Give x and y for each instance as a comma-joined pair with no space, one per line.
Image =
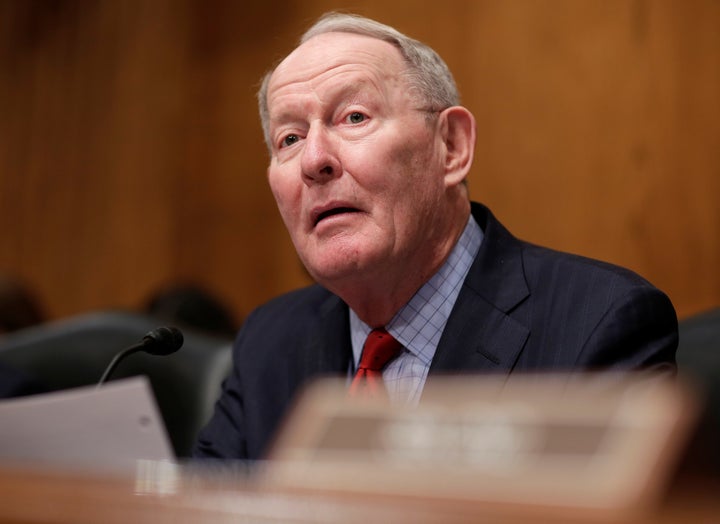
379,349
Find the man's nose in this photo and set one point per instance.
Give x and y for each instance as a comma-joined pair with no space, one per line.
319,162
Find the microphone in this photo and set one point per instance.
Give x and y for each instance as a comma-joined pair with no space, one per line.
160,341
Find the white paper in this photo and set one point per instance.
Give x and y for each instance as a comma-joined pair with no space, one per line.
98,429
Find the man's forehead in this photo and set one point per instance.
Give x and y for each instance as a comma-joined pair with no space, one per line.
329,51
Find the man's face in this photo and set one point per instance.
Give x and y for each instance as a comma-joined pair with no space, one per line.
356,168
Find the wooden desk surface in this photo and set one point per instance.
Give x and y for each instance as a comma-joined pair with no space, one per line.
41,496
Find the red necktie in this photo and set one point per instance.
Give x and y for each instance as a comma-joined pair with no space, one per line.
379,349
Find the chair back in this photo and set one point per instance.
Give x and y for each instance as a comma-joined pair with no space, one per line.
698,359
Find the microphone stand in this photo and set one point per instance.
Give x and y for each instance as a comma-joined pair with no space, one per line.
116,360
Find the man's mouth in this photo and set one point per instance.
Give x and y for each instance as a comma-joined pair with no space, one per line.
332,212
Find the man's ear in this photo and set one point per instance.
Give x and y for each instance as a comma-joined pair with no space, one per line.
457,126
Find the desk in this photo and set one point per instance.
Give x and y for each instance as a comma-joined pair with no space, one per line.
52,497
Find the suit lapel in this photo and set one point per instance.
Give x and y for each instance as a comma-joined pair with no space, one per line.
326,350
480,333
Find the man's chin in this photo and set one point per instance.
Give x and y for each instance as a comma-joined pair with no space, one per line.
342,260
330,277
335,273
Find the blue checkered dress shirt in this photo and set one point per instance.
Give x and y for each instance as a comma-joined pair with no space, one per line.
419,323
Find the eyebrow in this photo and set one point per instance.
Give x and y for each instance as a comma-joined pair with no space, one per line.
346,91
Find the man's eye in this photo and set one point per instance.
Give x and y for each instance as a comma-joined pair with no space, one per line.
355,117
289,140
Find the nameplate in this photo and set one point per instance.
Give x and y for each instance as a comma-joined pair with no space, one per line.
580,441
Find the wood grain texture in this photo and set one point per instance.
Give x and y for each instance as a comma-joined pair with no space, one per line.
131,154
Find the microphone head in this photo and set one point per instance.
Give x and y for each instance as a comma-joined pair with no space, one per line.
163,341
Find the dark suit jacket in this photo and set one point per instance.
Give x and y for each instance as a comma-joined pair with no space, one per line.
522,308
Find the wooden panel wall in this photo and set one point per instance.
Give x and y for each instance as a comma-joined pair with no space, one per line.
131,155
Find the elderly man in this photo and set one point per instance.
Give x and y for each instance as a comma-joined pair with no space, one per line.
369,152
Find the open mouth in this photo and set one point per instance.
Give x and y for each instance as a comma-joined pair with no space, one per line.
334,211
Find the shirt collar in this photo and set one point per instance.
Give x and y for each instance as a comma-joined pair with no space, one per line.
419,324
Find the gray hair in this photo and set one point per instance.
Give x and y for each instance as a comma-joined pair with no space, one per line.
428,75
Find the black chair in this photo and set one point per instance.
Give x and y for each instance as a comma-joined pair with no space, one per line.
698,359
75,352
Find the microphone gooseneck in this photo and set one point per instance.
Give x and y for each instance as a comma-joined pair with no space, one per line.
160,341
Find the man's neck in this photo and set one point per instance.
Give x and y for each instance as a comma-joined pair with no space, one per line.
376,298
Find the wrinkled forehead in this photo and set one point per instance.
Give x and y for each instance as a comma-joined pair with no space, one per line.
327,53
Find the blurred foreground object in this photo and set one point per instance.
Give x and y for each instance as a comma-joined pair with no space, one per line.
578,443
535,450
